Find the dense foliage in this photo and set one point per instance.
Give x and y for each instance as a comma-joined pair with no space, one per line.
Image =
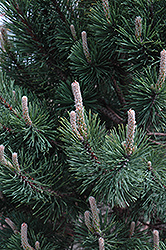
83,114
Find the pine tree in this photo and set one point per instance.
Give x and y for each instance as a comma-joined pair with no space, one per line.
83,125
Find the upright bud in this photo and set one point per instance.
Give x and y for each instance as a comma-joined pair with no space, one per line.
14,96
12,225
3,160
162,71
79,109
138,28
76,92
26,117
15,162
73,32
24,239
130,132
156,239
132,228
81,120
88,223
2,46
106,8
2,157
4,34
85,46
4,39
74,125
95,215
101,244
149,165
37,245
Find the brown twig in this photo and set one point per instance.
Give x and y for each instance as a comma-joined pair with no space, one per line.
156,133
155,226
111,114
39,188
7,105
7,129
157,143
91,153
118,91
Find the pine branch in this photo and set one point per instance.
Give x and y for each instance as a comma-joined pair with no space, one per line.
111,114
45,53
7,105
29,181
27,25
91,153
7,129
10,130
158,226
13,56
156,142
118,91
152,170
61,15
